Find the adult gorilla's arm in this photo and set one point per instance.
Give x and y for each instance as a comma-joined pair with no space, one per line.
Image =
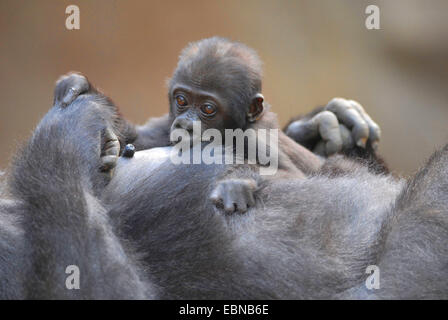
56,177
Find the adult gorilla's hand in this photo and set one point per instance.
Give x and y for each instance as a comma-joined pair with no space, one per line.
58,177
77,140
340,126
69,87
74,91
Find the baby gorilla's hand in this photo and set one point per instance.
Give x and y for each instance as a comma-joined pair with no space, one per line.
69,87
342,125
234,195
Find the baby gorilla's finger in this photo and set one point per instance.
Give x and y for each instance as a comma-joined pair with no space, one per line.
214,196
249,196
374,128
350,117
246,198
229,204
241,204
234,195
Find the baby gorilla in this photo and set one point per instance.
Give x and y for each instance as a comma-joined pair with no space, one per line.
217,83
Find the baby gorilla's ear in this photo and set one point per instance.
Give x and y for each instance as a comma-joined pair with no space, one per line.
256,108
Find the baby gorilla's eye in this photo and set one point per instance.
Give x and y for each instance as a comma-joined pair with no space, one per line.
208,109
181,101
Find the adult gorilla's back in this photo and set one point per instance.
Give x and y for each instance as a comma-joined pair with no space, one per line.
153,234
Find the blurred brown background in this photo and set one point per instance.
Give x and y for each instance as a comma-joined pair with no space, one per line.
312,50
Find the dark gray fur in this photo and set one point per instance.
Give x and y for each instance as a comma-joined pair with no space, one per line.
160,237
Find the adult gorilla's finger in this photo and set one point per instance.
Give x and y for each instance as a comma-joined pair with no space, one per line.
328,126
69,87
110,150
374,128
320,149
346,135
303,130
350,117
323,125
347,142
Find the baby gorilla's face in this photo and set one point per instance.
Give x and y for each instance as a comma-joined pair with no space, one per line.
196,110
216,84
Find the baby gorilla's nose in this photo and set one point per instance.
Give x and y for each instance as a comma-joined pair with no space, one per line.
182,123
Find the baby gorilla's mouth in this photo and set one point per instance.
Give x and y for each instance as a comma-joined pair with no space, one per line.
186,137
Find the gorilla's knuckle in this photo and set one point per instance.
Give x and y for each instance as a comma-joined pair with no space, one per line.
294,127
327,118
337,103
357,106
71,78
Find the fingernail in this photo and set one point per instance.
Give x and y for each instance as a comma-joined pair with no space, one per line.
361,142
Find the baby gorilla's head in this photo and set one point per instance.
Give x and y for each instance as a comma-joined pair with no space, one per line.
216,82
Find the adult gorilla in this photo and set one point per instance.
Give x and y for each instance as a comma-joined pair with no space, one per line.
147,230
